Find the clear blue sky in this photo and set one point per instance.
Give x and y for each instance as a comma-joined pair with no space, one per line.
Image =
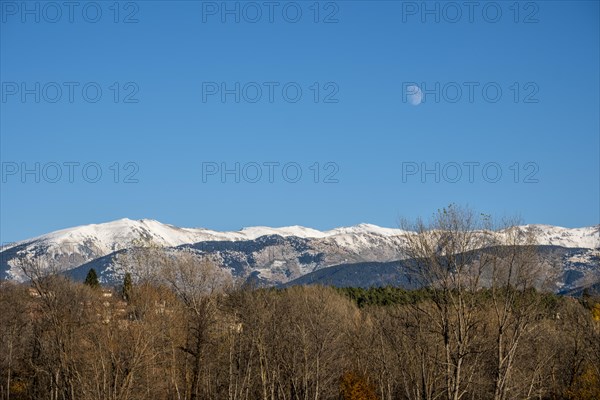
179,52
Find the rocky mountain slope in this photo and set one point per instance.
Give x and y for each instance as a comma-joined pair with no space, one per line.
272,256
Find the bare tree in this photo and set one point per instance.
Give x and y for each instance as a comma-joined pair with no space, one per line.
444,257
59,312
142,261
14,332
515,272
197,281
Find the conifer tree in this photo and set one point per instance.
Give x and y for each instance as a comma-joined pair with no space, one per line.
92,279
127,286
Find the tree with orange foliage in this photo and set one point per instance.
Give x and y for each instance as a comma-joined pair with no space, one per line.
354,386
596,312
585,387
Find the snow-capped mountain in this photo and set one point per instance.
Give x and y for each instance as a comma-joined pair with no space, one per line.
272,255
78,246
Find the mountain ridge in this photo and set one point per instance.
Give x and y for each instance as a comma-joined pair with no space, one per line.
253,232
273,255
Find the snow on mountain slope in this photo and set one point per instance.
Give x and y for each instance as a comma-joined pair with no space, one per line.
369,229
298,231
73,247
588,237
119,234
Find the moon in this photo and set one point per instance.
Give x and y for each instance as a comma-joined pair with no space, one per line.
414,95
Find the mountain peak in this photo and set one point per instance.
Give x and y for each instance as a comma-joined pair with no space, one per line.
121,232
274,261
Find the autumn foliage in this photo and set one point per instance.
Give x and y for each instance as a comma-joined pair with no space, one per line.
354,386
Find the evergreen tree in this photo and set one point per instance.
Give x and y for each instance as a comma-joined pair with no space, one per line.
92,279
127,286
